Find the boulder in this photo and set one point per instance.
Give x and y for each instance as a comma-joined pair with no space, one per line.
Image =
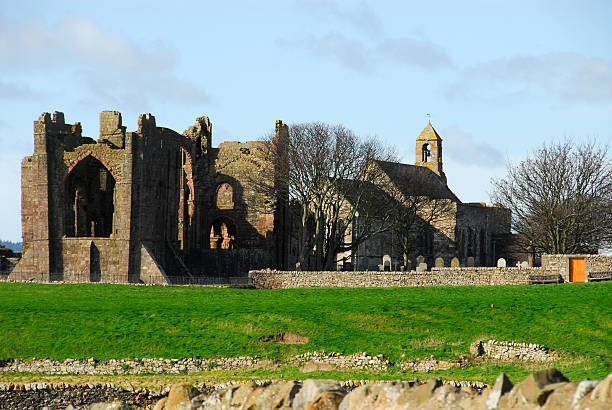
278,395
235,396
327,400
502,386
374,395
180,396
534,390
601,396
419,394
312,388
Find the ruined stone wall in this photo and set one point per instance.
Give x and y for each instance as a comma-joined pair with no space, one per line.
270,279
242,165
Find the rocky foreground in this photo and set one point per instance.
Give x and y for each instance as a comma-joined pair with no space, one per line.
547,389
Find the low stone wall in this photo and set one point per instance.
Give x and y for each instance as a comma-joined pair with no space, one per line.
272,279
509,351
560,264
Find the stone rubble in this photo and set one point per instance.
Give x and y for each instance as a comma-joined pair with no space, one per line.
492,349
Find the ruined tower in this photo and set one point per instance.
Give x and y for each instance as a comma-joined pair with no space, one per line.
429,151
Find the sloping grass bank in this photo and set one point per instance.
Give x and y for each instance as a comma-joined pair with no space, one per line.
119,321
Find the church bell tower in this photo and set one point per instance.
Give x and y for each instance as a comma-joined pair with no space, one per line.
429,151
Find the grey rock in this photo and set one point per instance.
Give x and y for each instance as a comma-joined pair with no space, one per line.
313,388
502,386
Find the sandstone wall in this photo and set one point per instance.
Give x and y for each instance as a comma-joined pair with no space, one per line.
270,279
560,264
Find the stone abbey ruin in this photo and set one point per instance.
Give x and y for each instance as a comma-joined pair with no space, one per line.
157,206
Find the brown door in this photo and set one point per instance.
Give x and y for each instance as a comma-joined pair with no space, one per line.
576,269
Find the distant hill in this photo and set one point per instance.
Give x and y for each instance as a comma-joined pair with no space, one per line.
14,246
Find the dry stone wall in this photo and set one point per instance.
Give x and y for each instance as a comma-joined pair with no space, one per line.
272,279
510,351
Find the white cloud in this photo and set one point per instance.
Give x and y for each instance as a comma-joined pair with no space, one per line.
111,66
463,149
361,16
15,91
349,53
363,53
568,76
413,52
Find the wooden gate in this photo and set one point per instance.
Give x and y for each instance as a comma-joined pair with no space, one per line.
576,273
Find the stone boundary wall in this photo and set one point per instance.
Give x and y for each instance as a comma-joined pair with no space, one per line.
273,279
593,263
510,351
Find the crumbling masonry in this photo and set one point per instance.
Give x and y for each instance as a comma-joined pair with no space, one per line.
156,206
143,206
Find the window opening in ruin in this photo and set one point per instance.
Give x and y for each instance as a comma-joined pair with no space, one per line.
426,151
223,234
186,198
225,196
89,200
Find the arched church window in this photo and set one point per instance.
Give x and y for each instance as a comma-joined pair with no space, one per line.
89,200
225,196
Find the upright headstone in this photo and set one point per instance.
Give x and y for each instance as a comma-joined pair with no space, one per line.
420,259
524,264
501,263
386,262
422,267
470,261
455,262
439,263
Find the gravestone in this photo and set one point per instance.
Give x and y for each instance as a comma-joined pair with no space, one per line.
455,262
439,263
501,263
420,259
470,261
408,265
422,267
386,262
524,264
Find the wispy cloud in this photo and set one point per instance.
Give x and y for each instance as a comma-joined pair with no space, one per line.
360,16
413,52
357,40
14,91
351,54
462,148
568,76
110,64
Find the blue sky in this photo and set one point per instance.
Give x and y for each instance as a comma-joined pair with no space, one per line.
498,77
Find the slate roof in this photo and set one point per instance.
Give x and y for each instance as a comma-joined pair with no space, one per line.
417,180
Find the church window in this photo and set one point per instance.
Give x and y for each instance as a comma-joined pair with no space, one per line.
225,196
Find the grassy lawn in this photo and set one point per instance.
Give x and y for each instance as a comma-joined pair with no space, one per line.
119,321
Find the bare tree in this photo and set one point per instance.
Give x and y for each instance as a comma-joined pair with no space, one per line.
560,198
421,201
322,171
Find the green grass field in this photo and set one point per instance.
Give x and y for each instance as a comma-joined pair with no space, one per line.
119,321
